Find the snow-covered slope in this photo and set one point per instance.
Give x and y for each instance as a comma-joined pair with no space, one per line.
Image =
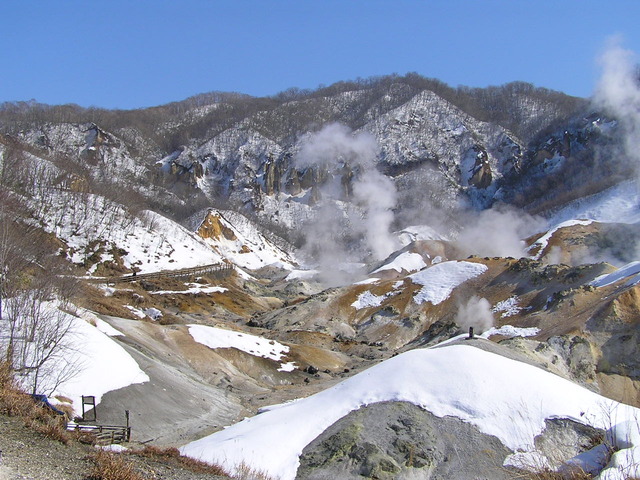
98,231
501,397
240,241
620,203
96,375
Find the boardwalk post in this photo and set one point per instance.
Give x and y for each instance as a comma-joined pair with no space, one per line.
90,402
128,430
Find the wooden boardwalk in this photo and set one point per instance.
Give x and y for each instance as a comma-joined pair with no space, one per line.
218,270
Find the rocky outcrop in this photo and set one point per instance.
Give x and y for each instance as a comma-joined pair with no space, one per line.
397,440
213,227
481,176
617,331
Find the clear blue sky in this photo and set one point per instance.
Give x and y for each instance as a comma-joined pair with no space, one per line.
138,53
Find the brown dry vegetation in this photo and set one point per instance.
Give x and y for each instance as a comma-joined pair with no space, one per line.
112,466
15,402
95,300
545,474
172,455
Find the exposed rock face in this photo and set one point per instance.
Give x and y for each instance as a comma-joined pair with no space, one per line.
397,440
481,173
567,164
212,227
434,144
564,438
618,332
577,354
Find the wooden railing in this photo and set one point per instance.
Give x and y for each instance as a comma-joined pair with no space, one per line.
219,270
104,434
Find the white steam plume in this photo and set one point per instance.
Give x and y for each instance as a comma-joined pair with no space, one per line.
498,232
377,194
336,149
335,145
618,92
475,313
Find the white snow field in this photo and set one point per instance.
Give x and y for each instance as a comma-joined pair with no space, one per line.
438,281
616,204
101,364
214,337
500,396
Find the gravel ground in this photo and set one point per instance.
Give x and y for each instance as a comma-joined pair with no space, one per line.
28,455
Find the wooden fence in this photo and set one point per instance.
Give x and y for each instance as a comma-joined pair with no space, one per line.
104,434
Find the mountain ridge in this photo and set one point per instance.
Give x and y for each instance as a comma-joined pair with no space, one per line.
363,222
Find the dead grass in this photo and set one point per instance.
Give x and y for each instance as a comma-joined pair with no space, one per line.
54,430
112,466
16,403
172,455
67,408
95,300
245,472
546,474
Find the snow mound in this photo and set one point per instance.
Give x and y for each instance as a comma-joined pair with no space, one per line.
102,364
500,396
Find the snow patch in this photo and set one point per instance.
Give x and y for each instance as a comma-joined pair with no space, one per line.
630,271
511,331
214,337
408,262
367,299
438,281
508,307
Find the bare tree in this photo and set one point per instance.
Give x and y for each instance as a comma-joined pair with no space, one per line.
39,335
34,332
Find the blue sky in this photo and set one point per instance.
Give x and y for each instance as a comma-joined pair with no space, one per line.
139,53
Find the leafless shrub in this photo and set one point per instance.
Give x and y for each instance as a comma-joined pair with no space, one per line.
246,472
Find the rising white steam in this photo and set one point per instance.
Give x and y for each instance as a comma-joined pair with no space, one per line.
335,145
377,194
498,232
618,92
349,160
475,313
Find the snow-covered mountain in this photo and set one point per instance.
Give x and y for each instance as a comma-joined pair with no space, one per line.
346,237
